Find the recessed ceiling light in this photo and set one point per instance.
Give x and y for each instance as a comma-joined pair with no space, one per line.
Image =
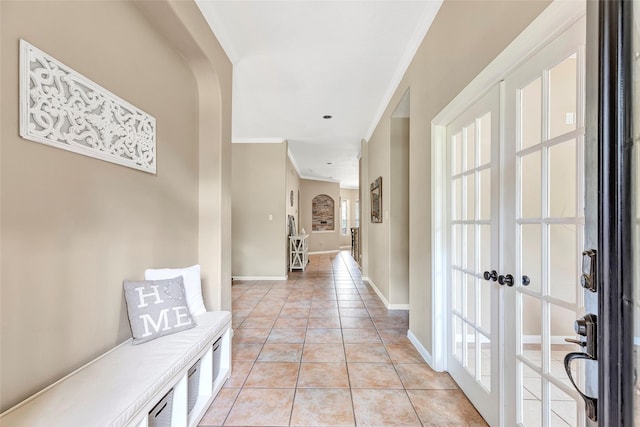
327,117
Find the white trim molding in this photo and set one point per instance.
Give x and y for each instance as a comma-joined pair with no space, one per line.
258,140
423,351
386,303
293,162
552,22
323,252
316,178
260,277
375,288
439,246
409,53
398,307
62,108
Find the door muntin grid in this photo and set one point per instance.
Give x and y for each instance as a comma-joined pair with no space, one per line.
471,247
549,237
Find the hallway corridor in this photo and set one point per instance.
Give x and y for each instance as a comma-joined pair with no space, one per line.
320,349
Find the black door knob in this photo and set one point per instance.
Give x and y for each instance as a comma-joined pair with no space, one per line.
506,280
525,280
491,276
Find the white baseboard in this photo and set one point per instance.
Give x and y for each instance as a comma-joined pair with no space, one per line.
383,299
375,288
324,252
259,277
418,345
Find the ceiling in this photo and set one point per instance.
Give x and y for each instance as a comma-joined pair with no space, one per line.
296,61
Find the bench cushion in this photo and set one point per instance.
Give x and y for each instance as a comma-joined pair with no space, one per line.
115,387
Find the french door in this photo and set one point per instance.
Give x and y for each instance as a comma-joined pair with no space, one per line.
544,216
516,237
474,338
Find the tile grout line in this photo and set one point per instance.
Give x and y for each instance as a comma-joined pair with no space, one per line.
344,349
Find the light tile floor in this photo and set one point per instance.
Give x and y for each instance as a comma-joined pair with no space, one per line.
321,349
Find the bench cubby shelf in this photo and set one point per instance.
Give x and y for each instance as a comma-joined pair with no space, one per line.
208,386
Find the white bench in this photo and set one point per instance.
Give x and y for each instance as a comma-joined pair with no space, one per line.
122,386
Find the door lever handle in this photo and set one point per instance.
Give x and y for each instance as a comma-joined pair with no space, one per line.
590,403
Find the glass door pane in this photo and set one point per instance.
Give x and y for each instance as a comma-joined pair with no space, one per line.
549,235
473,242
544,140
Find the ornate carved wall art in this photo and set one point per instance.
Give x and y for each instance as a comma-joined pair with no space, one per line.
62,108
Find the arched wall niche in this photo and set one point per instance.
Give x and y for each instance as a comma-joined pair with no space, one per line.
322,213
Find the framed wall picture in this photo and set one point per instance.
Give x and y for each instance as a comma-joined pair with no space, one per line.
376,200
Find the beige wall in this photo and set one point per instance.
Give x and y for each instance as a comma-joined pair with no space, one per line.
388,244
319,241
378,244
463,39
73,227
365,208
399,213
351,196
259,176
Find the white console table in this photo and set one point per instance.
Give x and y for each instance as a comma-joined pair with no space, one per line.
298,252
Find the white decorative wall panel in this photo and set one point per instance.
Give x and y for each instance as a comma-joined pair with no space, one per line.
62,108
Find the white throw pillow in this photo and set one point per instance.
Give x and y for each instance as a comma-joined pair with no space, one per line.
192,284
